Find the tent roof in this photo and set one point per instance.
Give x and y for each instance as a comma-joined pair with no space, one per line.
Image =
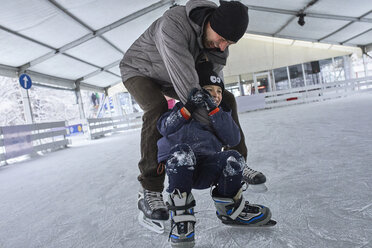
65,41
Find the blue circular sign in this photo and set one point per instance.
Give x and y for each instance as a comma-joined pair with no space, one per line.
25,81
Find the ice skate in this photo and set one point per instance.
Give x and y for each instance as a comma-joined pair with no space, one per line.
255,180
237,211
153,211
181,206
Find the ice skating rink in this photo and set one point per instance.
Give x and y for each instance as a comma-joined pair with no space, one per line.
317,158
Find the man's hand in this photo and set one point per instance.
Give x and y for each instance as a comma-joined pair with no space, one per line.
194,100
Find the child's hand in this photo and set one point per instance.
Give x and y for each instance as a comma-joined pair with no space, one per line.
210,105
194,100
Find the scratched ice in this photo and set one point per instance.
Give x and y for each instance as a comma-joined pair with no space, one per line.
316,157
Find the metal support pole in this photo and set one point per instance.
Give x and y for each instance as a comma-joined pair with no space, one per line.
108,102
240,85
270,88
365,65
27,106
79,100
117,106
303,74
348,67
131,110
255,84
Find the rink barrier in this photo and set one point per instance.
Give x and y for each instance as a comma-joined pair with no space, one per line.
310,93
2,148
99,127
20,140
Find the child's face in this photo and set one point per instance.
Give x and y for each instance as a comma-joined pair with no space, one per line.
216,93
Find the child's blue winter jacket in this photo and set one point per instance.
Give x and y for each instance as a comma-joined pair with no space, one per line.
203,141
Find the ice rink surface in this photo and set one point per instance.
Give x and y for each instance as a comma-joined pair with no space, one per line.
317,158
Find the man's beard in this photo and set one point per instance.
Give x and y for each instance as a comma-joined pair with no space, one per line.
206,42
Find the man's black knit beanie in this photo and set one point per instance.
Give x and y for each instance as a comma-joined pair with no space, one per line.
230,20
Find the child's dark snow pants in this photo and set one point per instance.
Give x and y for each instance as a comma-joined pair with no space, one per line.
186,171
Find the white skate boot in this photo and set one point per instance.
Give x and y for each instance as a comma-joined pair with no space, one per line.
237,211
181,207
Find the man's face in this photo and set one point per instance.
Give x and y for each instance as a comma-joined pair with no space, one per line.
212,40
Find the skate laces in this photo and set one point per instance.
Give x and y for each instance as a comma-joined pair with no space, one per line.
248,208
174,225
182,228
250,173
154,199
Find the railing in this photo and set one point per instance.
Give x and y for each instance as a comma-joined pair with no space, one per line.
311,93
99,127
20,140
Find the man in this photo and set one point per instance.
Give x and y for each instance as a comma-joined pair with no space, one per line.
162,62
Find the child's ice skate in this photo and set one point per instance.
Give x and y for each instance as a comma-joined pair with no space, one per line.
255,180
153,211
181,206
237,211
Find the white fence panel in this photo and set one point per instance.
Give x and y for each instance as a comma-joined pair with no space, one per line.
99,127
305,94
19,140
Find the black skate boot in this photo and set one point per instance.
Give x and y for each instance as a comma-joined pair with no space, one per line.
237,211
153,211
255,179
181,206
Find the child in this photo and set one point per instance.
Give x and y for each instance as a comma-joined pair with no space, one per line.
194,160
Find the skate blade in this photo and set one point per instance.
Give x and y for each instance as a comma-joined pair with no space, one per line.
258,188
153,225
183,244
270,223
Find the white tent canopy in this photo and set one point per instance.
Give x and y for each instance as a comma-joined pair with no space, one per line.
66,42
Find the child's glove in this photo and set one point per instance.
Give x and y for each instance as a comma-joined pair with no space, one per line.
194,100
210,105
